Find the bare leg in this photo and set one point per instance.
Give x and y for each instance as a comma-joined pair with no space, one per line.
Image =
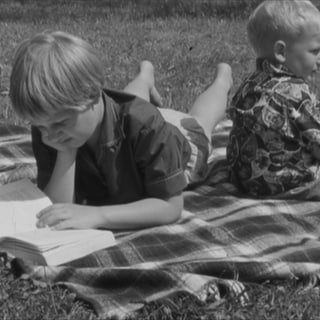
143,85
209,108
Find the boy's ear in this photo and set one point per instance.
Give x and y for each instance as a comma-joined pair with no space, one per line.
280,51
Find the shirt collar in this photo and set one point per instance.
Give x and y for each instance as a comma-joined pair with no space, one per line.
273,68
112,123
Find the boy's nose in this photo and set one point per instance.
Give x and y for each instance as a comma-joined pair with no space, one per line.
44,131
54,135
51,134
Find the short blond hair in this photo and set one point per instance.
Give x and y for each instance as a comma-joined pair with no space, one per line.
275,20
53,71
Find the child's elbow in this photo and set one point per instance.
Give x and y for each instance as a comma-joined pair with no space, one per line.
175,209
175,216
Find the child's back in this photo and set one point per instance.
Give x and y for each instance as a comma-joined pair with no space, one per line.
273,145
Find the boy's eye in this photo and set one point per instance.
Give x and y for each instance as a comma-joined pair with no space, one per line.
315,51
53,126
60,124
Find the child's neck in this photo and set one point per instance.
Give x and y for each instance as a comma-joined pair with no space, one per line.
271,59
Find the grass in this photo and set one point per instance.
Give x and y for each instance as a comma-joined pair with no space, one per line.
27,299
184,39
184,47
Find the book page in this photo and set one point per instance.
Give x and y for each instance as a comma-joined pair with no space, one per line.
55,247
47,239
20,202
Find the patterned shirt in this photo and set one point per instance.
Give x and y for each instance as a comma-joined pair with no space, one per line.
275,133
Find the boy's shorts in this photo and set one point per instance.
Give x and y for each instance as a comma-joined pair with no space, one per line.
197,167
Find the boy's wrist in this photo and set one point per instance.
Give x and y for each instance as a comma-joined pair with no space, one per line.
101,220
69,154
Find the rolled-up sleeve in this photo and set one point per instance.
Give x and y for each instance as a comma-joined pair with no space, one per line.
161,152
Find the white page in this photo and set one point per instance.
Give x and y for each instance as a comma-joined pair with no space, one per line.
46,239
19,204
57,247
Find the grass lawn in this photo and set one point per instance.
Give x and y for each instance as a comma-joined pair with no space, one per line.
184,39
181,38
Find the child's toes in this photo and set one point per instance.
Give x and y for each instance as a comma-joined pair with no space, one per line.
224,71
147,69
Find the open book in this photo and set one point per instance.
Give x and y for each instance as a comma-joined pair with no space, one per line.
20,202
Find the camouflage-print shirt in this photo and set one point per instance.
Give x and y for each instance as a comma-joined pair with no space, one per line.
275,133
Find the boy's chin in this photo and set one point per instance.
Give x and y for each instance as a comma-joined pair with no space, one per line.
76,144
72,143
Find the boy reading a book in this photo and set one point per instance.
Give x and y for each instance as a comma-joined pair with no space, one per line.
274,145
108,159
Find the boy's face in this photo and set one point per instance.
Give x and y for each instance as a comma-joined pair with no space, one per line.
67,129
303,56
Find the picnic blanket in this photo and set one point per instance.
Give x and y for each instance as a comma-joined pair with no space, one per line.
16,157
222,241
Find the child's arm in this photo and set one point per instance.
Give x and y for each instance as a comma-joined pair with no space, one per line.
139,214
60,187
307,119
56,167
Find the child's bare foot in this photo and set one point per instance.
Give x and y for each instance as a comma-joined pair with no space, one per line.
210,106
147,74
225,81
224,74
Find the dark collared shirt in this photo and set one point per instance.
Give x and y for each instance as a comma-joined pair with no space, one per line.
276,128
138,155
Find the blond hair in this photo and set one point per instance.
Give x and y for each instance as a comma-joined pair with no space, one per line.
275,20
52,71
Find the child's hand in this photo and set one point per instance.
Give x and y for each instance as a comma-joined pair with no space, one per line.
70,216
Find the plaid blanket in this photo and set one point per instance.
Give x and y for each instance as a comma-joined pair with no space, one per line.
16,157
222,241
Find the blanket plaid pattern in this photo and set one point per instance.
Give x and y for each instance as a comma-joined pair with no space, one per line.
16,156
222,241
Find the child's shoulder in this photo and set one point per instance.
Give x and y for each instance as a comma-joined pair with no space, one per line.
136,111
295,88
